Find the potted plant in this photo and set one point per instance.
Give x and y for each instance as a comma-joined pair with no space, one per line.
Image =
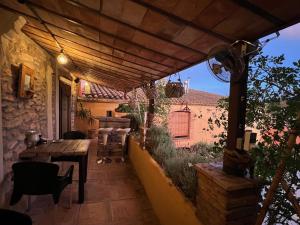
123,108
86,115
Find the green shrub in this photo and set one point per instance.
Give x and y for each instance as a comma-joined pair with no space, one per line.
178,163
180,169
159,144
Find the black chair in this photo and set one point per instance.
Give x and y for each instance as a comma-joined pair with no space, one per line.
38,178
9,217
75,134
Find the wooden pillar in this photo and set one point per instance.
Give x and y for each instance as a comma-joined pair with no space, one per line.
232,163
150,114
237,109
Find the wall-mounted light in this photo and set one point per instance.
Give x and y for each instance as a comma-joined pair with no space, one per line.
62,58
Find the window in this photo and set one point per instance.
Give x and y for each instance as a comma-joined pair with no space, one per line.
179,124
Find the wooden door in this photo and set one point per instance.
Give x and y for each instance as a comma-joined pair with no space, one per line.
64,108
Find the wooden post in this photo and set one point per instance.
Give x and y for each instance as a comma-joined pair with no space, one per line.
150,115
236,124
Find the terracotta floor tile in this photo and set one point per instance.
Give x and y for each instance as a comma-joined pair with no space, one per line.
126,210
94,213
113,196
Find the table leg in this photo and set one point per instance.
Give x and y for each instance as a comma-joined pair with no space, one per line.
81,179
86,166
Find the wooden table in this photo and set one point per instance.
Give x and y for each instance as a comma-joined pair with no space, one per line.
66,150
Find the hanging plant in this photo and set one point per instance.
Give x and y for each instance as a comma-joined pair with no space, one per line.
174,89
149,90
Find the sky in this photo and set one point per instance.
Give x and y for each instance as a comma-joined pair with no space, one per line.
288,44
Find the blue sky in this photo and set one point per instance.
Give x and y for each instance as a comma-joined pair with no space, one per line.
288,44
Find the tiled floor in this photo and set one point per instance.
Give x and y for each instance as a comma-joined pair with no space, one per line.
113,196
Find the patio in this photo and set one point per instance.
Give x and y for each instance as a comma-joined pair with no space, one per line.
113,196
49,47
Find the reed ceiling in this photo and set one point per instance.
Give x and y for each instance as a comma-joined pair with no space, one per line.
123,43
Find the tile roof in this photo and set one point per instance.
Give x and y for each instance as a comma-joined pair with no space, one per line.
99,92
196,97
193,97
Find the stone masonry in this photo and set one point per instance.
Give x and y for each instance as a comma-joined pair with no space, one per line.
21,115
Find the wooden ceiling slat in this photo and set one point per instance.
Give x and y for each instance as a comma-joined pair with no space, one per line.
183,21
96,80
107,76
243,24
142,54
128,26
285,12
75,58
260,12
105,70
146,39
216,12
84,50
57,15
154,63
89,56
109,57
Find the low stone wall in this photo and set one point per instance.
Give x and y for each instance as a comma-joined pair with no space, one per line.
169,204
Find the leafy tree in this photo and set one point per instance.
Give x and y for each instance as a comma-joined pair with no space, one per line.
273,102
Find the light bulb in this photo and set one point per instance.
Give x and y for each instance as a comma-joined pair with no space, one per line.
62,58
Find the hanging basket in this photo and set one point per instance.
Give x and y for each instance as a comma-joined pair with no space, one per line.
150,91
174,89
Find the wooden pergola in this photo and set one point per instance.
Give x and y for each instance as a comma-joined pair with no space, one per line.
123,43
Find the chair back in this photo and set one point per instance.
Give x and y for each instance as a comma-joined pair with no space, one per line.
75,134
35,178
9,217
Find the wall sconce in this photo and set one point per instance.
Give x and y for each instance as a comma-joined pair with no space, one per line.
62,58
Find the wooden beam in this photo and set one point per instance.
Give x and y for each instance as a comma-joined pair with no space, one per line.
97,81
83,24
85,58
104,73
236,121
25,29
87,38
118,75
84,7
259,12
183,21
145,73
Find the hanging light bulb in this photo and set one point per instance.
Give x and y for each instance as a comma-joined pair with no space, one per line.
62,58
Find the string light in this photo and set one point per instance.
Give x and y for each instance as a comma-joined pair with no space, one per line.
62,58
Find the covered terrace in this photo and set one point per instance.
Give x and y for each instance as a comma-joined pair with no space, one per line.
120,44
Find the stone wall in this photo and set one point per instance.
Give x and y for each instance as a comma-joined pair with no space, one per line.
21,115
